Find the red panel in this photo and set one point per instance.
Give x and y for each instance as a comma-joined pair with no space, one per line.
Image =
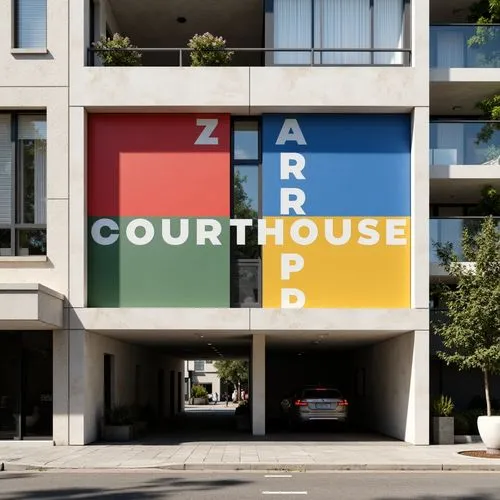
142,165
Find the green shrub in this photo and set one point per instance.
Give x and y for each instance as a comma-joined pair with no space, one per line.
198,391
120,415
442,406
117,57
209,50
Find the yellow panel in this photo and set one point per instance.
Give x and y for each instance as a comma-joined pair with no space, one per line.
347,276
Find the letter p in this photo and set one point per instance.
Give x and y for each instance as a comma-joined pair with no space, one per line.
291,263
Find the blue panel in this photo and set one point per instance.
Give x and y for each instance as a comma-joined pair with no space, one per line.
356,165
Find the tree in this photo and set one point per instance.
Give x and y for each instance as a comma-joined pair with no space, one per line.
243,210
483,13
233,371
471,332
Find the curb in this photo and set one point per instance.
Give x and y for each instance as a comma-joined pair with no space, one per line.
262,467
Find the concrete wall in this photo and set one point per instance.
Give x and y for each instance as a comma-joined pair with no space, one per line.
396,391
50,270
35,68
86,375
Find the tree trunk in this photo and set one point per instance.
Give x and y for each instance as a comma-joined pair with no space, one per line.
487,392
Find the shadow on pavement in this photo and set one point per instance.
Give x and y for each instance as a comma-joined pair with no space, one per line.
478,496
221,426
157,488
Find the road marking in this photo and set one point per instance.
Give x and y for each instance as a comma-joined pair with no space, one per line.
278,475
284,492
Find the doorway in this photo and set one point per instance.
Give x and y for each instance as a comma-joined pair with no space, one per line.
26,385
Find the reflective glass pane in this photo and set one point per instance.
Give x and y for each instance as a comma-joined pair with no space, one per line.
32,150
246,140
31,24
5,248
246,191
5,170
32,242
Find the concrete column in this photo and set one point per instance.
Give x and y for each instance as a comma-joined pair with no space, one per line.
78,208
258,374
60,397
420,209
77,387
417,428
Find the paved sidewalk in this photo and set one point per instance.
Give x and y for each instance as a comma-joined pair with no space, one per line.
248,455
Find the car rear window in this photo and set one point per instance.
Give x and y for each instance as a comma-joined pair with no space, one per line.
321,394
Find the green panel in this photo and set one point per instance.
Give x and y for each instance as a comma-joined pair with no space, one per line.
158,274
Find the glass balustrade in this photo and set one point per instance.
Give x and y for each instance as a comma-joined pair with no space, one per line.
465,46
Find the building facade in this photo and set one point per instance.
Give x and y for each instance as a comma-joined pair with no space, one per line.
281,208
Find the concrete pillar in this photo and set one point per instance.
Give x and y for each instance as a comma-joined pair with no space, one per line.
420,209
77,387
417,428
258,374
60,397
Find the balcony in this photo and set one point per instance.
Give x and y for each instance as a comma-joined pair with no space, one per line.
285,53
459,161
449,230
456,59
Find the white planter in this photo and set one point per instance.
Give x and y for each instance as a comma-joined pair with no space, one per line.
489,430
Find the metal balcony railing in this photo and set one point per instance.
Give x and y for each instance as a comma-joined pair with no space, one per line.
246,283
276,56
465,46
450,230
458,143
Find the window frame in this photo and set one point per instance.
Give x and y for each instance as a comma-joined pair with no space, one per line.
15,46
257,163
406,37
16,185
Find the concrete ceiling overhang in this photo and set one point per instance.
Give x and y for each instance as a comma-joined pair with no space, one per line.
449,11
154,23
30,306
459,98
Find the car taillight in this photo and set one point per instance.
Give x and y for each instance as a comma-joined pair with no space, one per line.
343,402
300,403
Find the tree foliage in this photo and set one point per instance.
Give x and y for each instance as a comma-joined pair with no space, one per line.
489,204
471,331
209,50
243,210
110,57
233,371
484,12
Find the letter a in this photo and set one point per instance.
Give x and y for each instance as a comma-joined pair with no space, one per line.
290,131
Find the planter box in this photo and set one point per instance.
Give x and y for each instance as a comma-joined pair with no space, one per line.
118,433
443,430
200,401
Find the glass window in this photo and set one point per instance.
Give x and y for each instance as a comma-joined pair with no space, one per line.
338,24
23,206
30,24
246,140
199,366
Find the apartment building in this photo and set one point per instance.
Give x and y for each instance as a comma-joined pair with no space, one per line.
342,132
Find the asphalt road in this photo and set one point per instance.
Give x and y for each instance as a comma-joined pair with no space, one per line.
248,486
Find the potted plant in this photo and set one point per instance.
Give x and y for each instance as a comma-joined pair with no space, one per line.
470,332
209,50
199,394
110,51
443,428
119,424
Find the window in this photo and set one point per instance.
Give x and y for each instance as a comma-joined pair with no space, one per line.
30,24
338,24
246,205
23,198
199,366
